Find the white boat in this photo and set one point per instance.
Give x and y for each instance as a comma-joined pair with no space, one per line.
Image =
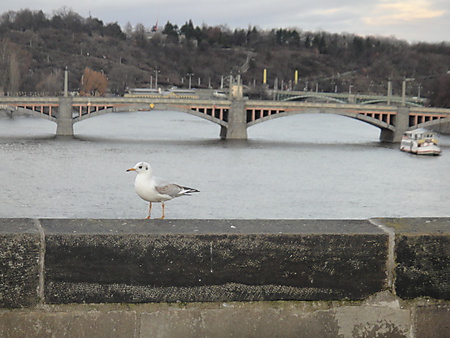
420,142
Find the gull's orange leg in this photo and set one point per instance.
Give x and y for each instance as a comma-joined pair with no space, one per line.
163,213
149,210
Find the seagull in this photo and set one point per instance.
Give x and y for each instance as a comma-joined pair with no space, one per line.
155,189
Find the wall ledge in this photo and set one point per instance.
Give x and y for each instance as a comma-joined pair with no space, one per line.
69,261
383,314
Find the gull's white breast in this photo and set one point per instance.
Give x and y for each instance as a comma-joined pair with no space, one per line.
145,188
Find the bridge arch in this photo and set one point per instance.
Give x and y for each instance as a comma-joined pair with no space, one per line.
321,98
207,114
361,117
217,115
392,101
432,123
349,98
29,111
207,117
79,118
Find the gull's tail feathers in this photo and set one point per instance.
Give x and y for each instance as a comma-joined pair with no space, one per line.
187,191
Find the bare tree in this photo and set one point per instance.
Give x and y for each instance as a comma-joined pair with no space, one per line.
14,74
440,96
52,83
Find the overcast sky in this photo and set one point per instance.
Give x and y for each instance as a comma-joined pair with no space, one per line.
411,20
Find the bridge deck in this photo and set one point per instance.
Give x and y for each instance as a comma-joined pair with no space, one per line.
219,111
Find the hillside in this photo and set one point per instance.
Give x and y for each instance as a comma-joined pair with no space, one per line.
35,48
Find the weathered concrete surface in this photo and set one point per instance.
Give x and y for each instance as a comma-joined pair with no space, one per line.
432,321
19,262
291,319
68,322
134,261
64,122
240,320
220,260
422,256
237,123
339,266
382,315
401,123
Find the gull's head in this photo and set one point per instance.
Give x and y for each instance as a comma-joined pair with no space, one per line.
141,167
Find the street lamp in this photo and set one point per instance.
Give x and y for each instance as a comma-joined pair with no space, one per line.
404,89
190,75
66,82
156,77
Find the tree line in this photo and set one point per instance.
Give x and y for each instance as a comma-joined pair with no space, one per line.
36,47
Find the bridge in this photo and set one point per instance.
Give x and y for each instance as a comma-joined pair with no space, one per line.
234,115
346,98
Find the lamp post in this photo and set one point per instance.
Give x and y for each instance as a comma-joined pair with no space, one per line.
404,89
66,82
156,77
389,93
190,75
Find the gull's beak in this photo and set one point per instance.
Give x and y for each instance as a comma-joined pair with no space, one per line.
131,169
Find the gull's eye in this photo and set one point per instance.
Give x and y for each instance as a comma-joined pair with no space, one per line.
140,167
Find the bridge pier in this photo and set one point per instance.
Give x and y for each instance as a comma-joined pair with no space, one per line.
237,122
401,125
64,120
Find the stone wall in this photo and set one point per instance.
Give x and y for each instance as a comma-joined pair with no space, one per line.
253,278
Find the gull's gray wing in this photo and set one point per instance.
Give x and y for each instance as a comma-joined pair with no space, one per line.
171,189
164,187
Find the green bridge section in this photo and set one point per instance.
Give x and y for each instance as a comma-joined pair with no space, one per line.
254,278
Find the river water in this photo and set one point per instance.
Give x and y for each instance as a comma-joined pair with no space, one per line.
303,166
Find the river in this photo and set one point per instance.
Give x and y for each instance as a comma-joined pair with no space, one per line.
303,166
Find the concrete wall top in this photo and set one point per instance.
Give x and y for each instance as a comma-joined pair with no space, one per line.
61,261
205,226
18,226
417,226
422,257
